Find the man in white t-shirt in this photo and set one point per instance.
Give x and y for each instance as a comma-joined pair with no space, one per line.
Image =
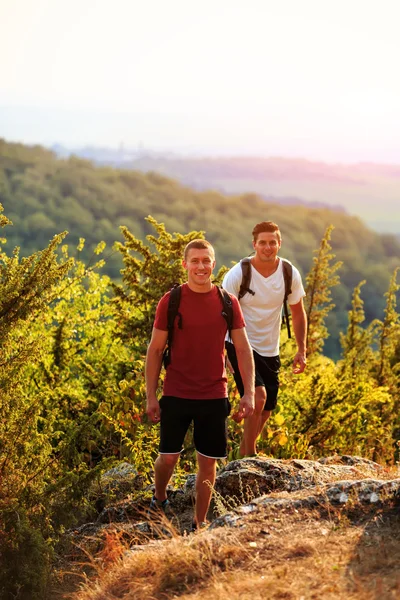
262,310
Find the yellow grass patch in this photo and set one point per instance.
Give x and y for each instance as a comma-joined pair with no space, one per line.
287,554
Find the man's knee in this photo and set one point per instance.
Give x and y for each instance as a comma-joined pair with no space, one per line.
168,460
206,464
265,415
260,399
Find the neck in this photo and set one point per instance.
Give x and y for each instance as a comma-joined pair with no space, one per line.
265,268
200,289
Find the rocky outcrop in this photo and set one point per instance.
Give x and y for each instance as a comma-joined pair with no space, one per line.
277,475
243,486
342,493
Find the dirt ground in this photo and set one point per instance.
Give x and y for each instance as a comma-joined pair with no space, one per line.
286,553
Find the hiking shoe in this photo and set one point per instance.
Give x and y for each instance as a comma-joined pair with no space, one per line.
159,506
196,526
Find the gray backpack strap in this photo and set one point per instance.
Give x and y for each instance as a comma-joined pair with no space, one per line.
246,278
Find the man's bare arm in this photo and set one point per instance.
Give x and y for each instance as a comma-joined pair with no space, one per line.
299,320
244,355
152,372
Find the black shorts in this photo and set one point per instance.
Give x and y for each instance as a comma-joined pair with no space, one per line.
266,374
209,419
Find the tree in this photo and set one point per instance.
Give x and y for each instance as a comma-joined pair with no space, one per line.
147,276
318,303
27,286
388,337
356,343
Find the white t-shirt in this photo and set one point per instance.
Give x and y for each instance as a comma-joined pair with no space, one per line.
263,311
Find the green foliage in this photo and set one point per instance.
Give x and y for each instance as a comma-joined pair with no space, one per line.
72,391
357,342
148,277
386,367
326,411
318,303
388,338
27,286
25,557
59,356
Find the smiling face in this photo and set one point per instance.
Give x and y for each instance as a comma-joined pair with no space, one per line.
199,264
266,247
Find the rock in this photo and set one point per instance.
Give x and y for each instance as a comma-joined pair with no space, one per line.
369,491
189,488
242,487
249,477
352,460
122,511
352,493
121,480
123,470
242,481
229,519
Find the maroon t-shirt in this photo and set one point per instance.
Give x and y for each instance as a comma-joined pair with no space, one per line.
197,367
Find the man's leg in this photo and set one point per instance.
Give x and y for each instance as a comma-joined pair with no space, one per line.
163,469
253,425
265,415
267,385
210,440
205,480
173,427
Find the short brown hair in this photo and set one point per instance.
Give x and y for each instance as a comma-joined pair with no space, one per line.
199,245
268,226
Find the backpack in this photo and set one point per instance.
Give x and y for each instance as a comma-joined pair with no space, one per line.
173,312
287,276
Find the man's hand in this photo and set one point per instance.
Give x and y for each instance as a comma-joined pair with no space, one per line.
246,408
153,410
299,363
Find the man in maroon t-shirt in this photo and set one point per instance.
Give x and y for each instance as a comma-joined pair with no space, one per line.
195,385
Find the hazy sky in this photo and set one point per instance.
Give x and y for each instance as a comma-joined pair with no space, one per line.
316,78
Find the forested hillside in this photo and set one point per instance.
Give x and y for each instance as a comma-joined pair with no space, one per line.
368,190
43,195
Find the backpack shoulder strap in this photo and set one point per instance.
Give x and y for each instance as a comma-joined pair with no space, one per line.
245,263
227,309
173,306
287,269
172,313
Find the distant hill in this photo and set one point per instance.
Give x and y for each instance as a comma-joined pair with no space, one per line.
44,195
294,201
369,190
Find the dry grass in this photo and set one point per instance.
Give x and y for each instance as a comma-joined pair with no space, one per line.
287,554
162,568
